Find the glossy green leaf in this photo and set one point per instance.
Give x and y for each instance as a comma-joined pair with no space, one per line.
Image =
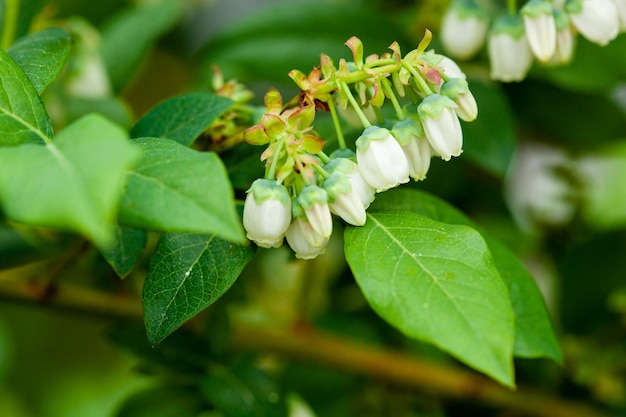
268,44
243,391
23,118
177,189
162,401
534,334
127,38
42,55
182,118
436,282
126,249
188,273
73,183
489,141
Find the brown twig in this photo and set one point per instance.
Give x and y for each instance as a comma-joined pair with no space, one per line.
329,350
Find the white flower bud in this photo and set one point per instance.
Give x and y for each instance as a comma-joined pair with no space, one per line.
463,29
410,134
621,13
381,160
304,241
451,69
365,191
343,199
565,38
313,201
509,52
596,20
441,125
540,28
458,91
267,213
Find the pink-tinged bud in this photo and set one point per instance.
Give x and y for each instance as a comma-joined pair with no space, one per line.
596,20
304,241
464,29
540,28
313,202
410,134
381,159
509,52
343,200
365,191
441,125
267,213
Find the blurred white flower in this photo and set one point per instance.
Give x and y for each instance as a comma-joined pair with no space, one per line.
537,189
464,29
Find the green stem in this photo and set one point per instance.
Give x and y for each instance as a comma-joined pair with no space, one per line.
11,10
321,171
271,174
419,79
394,100
512,7
336,123
324,158
359,112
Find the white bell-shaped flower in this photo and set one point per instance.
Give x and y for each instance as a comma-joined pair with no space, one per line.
464,29
410,134
596,20
304,241
365,191
381,159
621,13
441,125
313,201
565,38
509,52
457,89
267,213
343,200
540,28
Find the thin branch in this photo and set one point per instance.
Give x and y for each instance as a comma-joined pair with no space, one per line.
310,345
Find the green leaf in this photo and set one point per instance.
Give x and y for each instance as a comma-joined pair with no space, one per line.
182,118
489,141
188,273
73,183
23,118
42,55
534,334
438,283
127,38
243,391
268,44
162,401
177,189
126,249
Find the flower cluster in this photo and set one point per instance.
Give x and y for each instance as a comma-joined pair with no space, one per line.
303,185
541,29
